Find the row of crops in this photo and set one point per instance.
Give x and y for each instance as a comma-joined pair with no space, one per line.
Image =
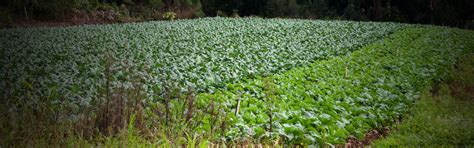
75,63
327,101
303,81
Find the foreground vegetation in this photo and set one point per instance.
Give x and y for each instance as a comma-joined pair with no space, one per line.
206,81
443,116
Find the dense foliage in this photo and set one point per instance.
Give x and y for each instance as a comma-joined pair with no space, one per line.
302,81
71,63
329,100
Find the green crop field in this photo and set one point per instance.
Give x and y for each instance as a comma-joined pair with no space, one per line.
228,80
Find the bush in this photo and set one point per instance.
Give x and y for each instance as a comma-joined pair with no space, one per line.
221,13
199,13
235,13
169,15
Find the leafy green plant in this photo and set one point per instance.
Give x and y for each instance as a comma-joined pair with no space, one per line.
300,81
189,53
329,100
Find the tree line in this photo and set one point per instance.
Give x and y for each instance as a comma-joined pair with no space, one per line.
440,12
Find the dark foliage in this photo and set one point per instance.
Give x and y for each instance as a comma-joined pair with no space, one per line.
458,13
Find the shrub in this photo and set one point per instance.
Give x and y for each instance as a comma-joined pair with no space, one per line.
199,13
169,15
221,13
235,13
